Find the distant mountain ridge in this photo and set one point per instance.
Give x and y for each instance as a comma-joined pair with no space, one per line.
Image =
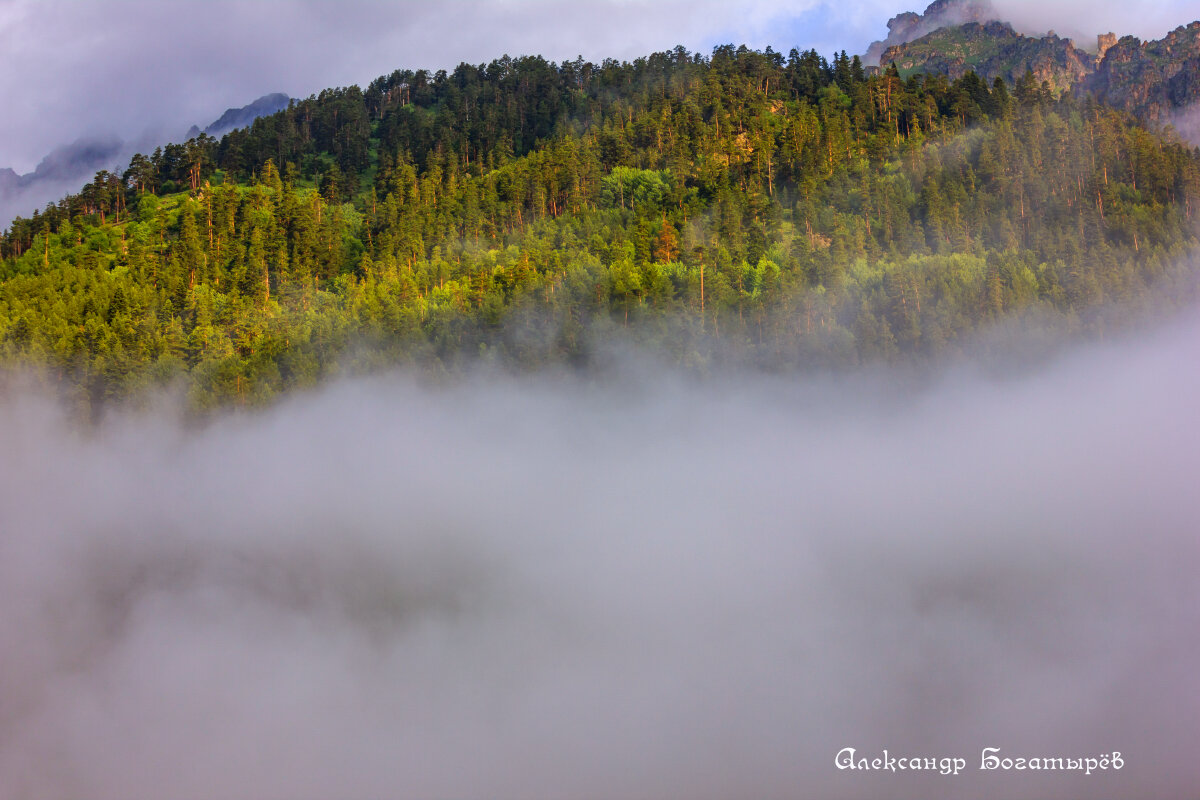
65,162
63,170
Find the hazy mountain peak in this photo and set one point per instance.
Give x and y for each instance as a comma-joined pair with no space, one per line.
9,180
906,27
67,167
85,153
241,117
63,170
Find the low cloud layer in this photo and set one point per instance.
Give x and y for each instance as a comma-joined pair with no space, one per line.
639,586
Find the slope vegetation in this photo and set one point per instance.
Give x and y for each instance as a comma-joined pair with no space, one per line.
779,211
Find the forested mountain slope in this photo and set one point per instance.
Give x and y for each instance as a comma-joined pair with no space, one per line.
785,210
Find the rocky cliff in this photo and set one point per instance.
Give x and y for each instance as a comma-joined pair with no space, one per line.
1155,80
992,50
908,26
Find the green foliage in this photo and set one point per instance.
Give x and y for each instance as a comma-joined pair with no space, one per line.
640,190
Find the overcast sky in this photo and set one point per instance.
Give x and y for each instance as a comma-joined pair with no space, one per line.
70,68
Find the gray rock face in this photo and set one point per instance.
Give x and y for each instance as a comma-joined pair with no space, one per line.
1157,80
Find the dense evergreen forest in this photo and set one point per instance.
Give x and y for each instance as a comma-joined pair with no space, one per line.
784,209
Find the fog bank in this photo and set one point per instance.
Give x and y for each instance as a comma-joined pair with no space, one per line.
647,586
